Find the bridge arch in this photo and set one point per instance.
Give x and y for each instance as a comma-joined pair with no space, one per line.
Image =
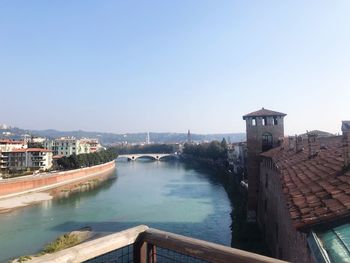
154,156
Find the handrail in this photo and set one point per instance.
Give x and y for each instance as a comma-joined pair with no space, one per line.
202,249
145,242
93,248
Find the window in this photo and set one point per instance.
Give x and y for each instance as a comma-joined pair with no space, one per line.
264,121
275,121
266,180
253,122
267,142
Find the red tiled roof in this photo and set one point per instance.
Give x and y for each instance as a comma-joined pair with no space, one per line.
31,150
264,113
6,141
317,189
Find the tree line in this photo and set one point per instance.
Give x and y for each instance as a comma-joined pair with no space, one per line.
214,150
87,159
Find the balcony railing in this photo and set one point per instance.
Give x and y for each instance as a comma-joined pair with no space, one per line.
146,245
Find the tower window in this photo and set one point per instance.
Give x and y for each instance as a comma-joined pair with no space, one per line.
275,121
253,122
264,121
266,180
267,142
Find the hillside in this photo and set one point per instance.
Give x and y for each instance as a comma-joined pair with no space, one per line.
113,138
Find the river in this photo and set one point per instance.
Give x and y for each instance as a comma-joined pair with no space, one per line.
171,196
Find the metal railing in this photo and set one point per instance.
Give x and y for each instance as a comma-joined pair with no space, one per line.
146,245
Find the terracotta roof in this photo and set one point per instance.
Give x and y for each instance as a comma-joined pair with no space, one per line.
264,113
31,150
317,189
2,141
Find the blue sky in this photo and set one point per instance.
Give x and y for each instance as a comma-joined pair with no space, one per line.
131,66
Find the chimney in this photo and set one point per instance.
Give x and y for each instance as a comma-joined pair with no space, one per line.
311,140
291,143
346,142
299,143
280,141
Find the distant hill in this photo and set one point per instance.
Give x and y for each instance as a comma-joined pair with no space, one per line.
113,138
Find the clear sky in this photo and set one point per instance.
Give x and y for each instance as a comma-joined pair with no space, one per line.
132,66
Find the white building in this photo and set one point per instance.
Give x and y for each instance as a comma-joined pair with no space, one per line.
95,145
30,158
38,139
9,145
67,146
237,155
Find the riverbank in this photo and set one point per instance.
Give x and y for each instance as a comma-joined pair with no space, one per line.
62,242
41,182
76,180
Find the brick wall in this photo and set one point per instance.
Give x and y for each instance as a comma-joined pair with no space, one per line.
284,241
254,148
20,184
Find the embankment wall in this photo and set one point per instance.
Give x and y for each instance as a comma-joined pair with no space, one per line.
32,182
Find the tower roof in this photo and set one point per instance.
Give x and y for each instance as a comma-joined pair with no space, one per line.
264,113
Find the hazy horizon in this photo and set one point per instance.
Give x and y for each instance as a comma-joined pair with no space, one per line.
125,67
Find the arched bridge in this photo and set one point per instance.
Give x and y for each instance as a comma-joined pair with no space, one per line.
155,156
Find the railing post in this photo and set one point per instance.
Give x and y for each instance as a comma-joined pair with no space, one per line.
140,251
151,253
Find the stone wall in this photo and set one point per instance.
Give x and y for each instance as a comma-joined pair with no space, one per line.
32,182
282,238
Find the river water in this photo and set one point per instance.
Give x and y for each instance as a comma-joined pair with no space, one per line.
171,196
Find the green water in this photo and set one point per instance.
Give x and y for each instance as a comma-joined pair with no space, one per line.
166,195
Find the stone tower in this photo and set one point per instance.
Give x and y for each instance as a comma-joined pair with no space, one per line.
189,139
265,129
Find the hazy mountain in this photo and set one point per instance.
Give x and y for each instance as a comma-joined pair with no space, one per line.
113,138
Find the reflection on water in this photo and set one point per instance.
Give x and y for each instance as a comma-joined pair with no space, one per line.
165,195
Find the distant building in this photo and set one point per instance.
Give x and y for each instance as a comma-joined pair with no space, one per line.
148,139
9,145
237,156
67,146
4,127
189,139
92,144
37,139
7,133
30,158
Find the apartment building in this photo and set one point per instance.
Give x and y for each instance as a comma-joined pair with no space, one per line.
67,146
7,146
29,158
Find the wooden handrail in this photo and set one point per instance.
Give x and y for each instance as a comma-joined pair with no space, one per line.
201,249
145,242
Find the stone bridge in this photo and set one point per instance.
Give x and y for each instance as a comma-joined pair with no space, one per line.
155,156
